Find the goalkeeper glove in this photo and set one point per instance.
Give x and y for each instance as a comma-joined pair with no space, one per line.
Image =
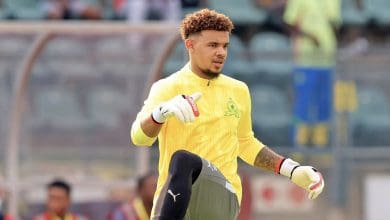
183,107
307,177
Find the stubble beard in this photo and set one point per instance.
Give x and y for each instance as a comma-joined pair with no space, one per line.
210,74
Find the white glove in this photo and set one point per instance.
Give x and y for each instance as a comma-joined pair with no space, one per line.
307,177
182,107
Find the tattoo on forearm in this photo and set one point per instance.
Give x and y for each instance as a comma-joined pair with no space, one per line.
267,159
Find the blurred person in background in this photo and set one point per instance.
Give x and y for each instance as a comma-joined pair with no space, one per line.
71,9
140,207
246,202
353,40
3,200
192,5
58,203
312,25
275,9
141,10
202,119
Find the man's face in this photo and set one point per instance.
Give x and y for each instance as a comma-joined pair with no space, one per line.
208,51
58,201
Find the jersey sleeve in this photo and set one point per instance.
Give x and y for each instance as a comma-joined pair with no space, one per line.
249,146
158,94
333,12
291,14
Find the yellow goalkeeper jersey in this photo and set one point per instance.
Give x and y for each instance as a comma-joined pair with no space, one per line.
221,133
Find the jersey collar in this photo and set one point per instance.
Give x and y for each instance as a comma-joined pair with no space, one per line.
186,70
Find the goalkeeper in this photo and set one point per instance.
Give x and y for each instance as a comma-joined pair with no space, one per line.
202,119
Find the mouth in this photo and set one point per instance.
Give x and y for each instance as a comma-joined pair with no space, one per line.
218,63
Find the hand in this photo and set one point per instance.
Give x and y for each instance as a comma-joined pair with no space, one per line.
309,179
315,40
182,107
306,177
312,37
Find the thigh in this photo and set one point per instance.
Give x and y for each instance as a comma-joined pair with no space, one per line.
325,95
303,93
212,196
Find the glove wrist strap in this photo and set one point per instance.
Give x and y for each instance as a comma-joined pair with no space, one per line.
287,167
157,116
278,165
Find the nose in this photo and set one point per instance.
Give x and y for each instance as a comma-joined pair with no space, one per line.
221,52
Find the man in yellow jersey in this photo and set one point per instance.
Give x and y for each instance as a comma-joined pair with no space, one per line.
313,24
202,119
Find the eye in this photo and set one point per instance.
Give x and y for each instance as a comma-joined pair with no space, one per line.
213,45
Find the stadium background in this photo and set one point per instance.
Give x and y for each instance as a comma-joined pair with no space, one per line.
69,89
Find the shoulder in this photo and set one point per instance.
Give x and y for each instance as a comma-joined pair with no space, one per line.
233,83
296,4
167,82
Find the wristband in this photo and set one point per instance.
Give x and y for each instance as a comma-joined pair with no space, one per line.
157,116
287,167
278,165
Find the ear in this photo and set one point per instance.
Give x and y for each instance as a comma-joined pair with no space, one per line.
189,43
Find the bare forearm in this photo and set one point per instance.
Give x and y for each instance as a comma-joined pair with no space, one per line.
150,127
306,177
295,30
267,159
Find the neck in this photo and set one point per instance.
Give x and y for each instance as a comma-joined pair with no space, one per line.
200,73
61,215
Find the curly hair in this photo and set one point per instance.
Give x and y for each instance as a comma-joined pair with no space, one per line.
204,19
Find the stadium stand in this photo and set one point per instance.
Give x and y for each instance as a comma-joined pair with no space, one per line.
271,56
10,46
3,11
59,108
104,106
177,58
237,63
371,122
352,14
378,11
271,115
24,9
63,46
189,6
241,12
84,89
108,10
4,107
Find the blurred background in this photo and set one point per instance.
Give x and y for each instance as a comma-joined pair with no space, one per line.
74,73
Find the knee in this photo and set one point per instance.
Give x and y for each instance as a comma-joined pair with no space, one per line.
185,163
182,156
